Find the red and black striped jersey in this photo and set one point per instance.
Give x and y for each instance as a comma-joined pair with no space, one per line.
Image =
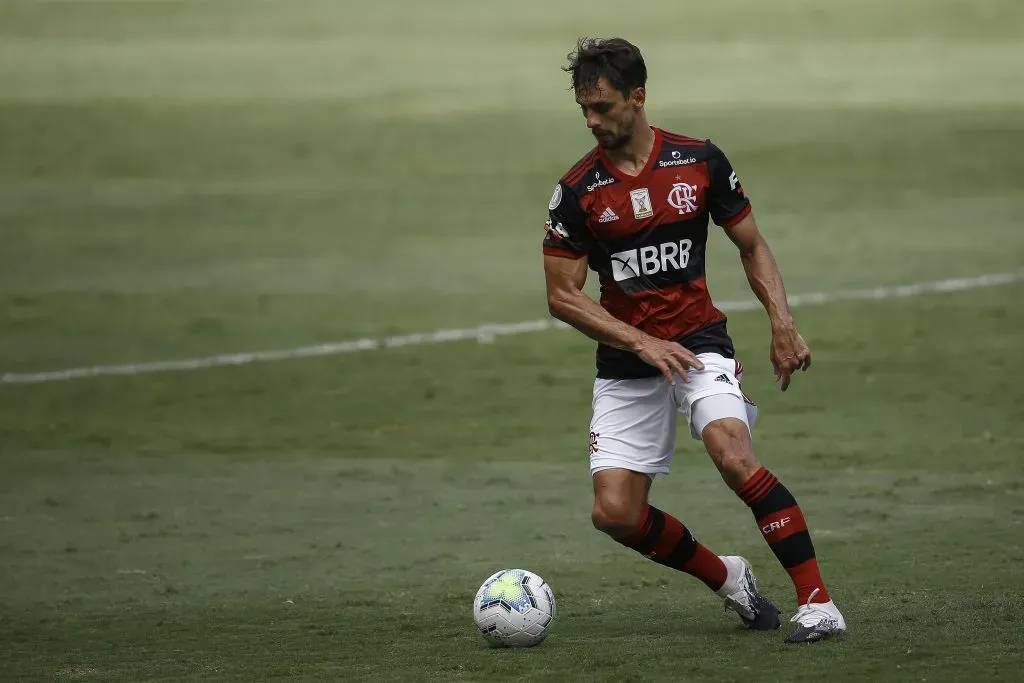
646,236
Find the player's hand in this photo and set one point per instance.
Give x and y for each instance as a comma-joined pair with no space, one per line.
669,357
789,354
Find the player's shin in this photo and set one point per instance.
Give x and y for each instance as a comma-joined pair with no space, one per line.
662,538
783,526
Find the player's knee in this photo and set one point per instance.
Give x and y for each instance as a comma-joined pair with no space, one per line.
617,518
728,443
737,468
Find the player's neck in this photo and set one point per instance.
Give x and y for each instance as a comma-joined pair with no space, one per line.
632,157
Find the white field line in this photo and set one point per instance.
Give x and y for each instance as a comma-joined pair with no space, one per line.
483,333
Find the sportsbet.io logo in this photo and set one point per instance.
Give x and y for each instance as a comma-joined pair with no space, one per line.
677,160
599,182
651,260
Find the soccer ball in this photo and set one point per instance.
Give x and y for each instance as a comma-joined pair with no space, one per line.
514,608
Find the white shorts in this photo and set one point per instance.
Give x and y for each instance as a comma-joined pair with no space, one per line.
634,421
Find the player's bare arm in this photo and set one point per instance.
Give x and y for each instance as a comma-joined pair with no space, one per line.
789,352
568,302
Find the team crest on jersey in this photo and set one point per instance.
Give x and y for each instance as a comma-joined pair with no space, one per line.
641,199
683,196
556,198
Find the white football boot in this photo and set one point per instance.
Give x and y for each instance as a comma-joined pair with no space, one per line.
816,621
741,596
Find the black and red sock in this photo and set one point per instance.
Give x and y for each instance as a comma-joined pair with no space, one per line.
783,525
663,539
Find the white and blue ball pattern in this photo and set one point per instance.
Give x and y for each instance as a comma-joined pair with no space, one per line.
514,608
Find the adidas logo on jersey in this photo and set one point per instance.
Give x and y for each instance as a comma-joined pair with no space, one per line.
607,216
724,378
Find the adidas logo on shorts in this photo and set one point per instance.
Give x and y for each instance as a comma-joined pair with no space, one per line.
724,378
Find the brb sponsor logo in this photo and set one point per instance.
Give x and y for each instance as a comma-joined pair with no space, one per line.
677,160
651,260
768,529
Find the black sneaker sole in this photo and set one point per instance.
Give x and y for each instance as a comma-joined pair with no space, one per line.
767,619
799,636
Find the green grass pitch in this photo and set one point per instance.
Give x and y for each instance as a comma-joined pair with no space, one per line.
180,179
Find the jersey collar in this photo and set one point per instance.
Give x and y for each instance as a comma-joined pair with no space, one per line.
645,171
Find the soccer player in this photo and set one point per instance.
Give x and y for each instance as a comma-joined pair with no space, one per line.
635,210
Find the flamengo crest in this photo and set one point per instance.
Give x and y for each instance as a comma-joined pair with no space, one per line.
683,196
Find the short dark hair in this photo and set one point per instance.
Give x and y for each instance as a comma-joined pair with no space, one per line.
616,59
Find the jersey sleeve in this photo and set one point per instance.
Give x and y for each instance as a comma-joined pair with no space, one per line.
726,201
565,232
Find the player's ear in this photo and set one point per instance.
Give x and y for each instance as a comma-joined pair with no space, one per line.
638,97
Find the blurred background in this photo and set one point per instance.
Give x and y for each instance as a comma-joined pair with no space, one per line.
188,178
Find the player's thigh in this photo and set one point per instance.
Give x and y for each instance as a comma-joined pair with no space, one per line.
633,426
698,400
726,437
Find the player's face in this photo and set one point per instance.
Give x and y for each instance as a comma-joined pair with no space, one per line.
610,116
